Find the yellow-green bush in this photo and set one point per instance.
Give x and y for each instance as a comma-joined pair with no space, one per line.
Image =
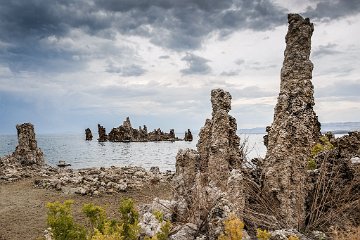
293,238
96,215
324,145
233,229
262,234
129,220
62,223
312,164
158,215
63,227
109,233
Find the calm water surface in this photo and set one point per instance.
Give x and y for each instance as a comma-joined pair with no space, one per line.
83,154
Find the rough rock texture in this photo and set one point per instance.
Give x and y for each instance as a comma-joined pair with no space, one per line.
27,152
148,222
208,182
11,170
88,134
348,145
285,234
219,146
125,133
95,181
188,136
266,137
158,135
102,134
295,128
184,232
27,157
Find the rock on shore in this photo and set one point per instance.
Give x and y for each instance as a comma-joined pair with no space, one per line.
95,181
26,159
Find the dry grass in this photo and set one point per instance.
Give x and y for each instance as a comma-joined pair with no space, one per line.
261,208
334,195
334,199
350,234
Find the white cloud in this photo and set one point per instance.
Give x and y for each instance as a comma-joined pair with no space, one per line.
295,6
5,72
344,35
338,109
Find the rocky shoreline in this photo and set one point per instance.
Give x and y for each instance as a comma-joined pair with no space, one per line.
95,181
27,161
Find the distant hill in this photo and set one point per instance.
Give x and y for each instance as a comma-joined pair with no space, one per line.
340,127
336,127
258,130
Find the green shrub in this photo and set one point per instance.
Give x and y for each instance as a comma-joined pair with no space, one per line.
262,234
323,146
110,232
62,223
312,164
96,215
164,231
159,215
63,227
129,220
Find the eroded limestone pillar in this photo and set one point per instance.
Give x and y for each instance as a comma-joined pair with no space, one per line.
27,151
295,128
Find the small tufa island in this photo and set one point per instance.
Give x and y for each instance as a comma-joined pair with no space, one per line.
125,133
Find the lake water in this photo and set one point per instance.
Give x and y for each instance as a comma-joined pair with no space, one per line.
83,154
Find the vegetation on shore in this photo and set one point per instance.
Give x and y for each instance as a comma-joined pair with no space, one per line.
63,227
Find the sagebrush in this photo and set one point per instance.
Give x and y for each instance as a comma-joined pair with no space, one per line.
63,227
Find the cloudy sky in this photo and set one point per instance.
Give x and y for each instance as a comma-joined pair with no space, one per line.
69,64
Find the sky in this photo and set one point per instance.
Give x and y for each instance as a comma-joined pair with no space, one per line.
70,64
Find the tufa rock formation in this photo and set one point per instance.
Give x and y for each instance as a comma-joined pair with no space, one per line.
102,134
158,135
188,136
125,133
27,152
209,181
88,134
295,128
27,159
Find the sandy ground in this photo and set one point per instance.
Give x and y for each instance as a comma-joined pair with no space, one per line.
23,211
